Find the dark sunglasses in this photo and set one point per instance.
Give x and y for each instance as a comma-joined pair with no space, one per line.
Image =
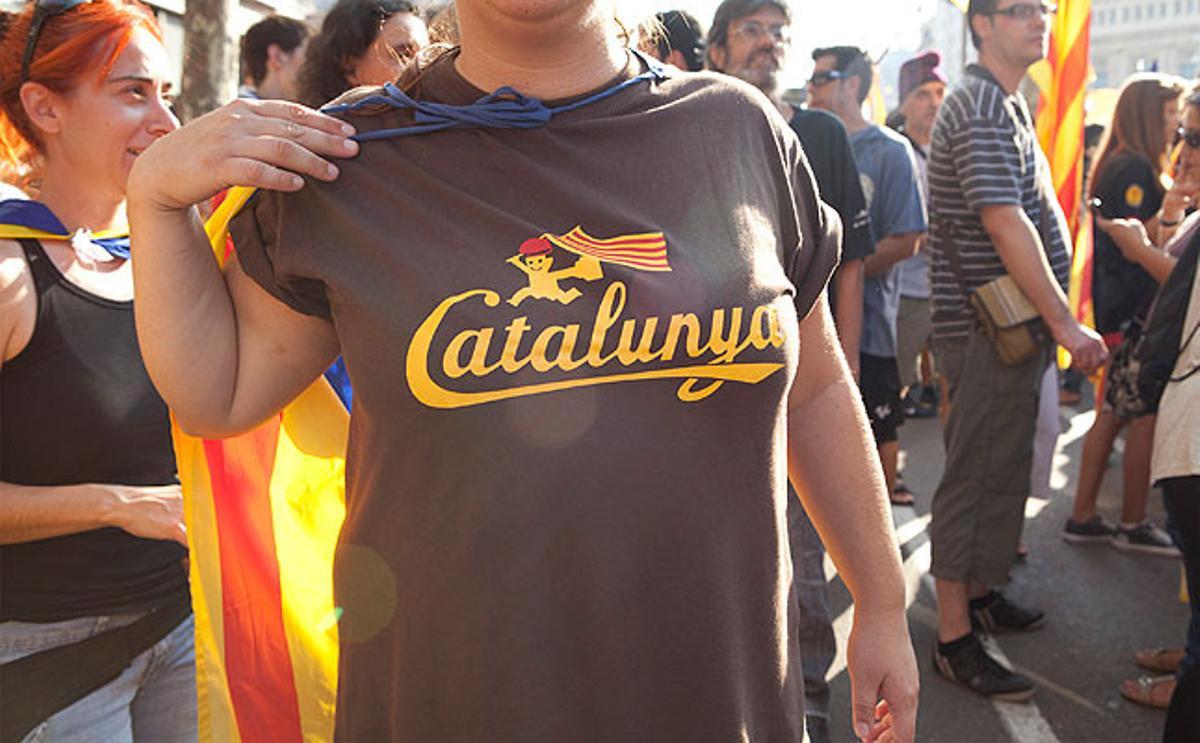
1190,137
827,76
1025,11
42,11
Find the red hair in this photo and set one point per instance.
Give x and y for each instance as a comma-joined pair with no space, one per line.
74,46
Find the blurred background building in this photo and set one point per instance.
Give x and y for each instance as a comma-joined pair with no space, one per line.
1135,35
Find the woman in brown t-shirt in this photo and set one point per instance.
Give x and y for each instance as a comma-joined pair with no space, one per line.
579,386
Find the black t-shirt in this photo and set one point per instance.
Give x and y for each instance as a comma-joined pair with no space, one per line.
829,155
1122,290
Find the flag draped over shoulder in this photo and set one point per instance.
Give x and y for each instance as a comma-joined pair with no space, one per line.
1060,122
263,512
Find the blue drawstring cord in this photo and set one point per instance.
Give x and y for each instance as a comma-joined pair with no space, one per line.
504,109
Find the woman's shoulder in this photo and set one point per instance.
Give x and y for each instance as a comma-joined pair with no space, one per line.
18,300
1125,166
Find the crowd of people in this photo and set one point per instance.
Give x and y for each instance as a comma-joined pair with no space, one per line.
863,272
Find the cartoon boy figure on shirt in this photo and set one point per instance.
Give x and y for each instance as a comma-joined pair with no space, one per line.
534,259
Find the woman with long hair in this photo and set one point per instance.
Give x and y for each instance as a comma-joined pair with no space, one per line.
578,392
361,42
1130,179
1175,464
95,628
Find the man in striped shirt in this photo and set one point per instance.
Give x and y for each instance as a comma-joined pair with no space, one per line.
992,212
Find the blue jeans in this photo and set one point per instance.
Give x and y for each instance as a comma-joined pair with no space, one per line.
153,700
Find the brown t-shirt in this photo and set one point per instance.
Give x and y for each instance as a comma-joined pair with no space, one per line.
571,349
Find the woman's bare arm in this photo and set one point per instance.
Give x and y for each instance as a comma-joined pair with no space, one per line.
223,353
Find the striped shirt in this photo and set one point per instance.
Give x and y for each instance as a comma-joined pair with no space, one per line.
985,152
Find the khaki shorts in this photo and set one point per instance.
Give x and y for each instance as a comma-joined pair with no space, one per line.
914,330
979,506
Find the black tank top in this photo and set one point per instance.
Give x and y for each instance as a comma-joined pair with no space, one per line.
77,406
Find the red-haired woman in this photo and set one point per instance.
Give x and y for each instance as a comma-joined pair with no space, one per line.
95,628
566,474
1130,179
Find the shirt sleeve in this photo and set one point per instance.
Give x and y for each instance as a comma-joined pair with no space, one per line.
816,237
1129,189
985,157
902,188
266,238
849,202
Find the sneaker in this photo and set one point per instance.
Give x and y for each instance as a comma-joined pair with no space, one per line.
1094,530
916,407
1001,615
1145,538
972,667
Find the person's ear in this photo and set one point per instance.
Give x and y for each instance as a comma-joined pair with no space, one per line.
43,106
982,26
676,58
276,57
718,55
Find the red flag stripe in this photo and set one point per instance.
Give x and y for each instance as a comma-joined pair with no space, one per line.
658,258
657,239
257,659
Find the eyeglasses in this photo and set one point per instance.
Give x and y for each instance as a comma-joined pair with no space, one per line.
1026,11
43,10
755,31
825,77
1190,137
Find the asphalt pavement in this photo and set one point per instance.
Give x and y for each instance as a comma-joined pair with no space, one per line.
1101,606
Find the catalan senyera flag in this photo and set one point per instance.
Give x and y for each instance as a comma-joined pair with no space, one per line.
1060,122
1060,117
645,251
263,512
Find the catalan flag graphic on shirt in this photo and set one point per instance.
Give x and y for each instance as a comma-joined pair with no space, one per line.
644,252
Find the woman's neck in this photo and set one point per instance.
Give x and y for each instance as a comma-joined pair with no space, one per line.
556,56
80,205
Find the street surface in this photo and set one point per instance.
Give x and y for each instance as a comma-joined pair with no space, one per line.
1101,606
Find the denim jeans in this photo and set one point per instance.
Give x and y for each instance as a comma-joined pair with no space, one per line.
818,643
153,700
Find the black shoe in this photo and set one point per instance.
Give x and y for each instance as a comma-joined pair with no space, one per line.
972,667
1094,530
916,407
998,614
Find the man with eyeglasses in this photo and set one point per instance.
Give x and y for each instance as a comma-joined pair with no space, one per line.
992,213
888,169
749,39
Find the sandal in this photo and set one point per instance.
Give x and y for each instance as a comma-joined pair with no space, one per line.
1160,660
902,496
1149,692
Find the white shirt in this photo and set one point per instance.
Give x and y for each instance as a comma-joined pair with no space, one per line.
1177,430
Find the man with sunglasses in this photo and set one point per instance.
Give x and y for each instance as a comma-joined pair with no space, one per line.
749,39
992,214
888,169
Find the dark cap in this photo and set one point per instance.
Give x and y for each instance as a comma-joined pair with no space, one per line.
924,68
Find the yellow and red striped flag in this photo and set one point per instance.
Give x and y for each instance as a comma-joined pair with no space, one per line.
645,251
1060,118
263,512
1060,123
